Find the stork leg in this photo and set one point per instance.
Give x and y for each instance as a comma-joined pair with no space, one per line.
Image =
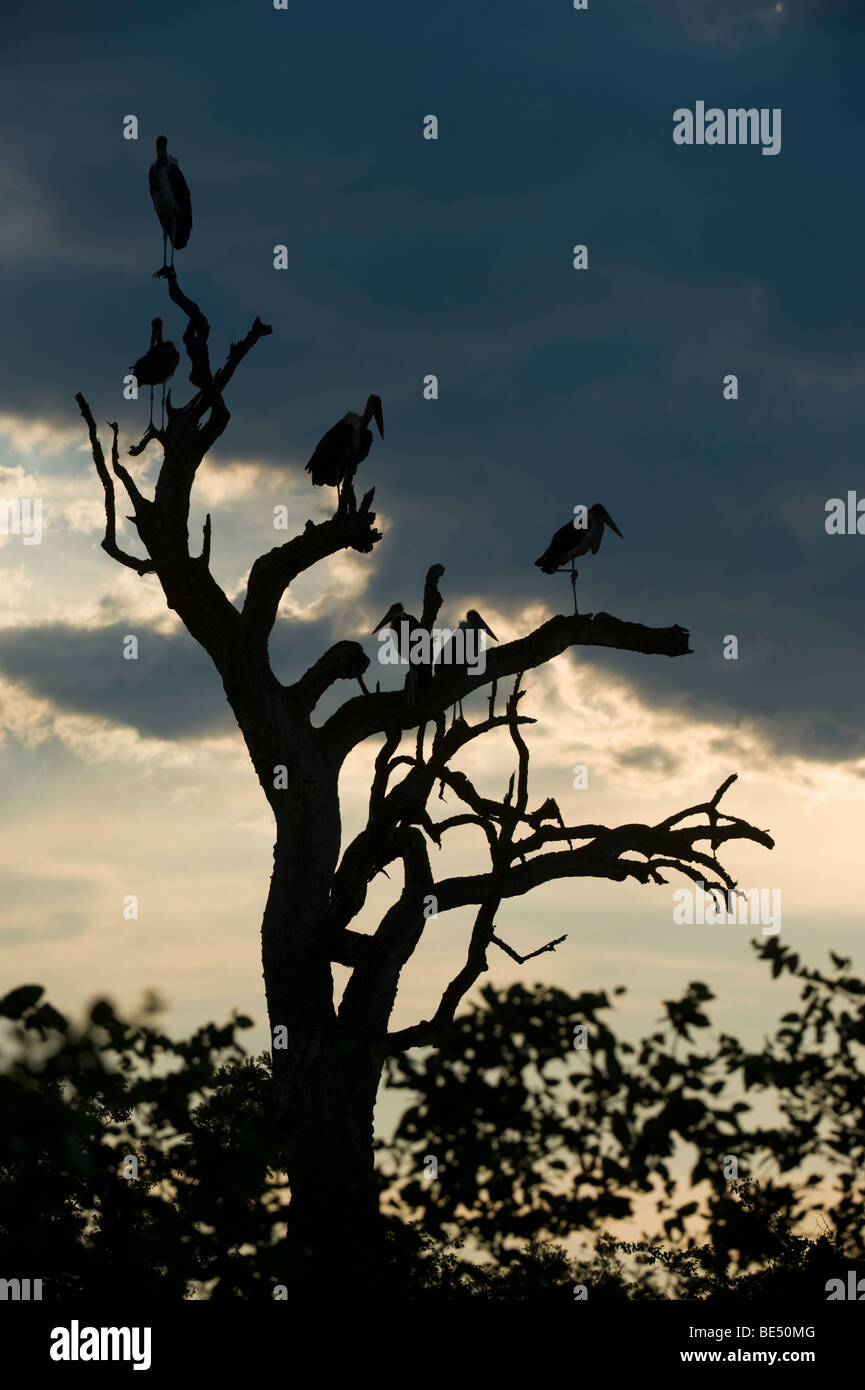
162,425
345,494
151,407
573,574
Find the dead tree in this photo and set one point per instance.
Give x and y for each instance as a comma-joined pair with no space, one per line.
327,1075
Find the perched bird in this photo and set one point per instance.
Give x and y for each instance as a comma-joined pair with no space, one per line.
347,444
459,651
418,653
402,624
571,540
157,365
170,193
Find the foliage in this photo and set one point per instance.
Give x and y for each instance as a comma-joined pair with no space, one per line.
76,1101
535,1140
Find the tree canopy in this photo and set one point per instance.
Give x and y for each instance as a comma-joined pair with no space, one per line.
534,1139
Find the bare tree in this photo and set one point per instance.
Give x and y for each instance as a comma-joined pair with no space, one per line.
328,1072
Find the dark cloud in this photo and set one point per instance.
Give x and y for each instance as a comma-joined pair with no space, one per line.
408,257
650,756
171,690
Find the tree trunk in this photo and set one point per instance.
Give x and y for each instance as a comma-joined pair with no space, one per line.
335,1224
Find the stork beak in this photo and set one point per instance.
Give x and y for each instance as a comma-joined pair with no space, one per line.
484,627
384,622
377,416
609,520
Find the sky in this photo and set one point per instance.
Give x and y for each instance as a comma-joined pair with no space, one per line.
407,257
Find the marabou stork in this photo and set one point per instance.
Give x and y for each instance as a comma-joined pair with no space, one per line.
347,444
454,652
170,193
571,541
404,625
157,365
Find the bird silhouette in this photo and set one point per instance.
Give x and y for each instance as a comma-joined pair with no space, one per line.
338,453
170,193
417,654
454,652
571,540
157,365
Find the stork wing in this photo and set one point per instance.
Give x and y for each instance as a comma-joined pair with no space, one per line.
180,189
355,453
170,359
559,549
141,370
364,445
329,452
567,536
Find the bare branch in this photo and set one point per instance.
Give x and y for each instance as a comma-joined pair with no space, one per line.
237,352
109,543
519,742
196,334
661,846
383,768
521,960
453,822
272,573
447,744
604,857
513,810
369,995
205,544
344,661
149,435
350,948
359,717
432,599
138,500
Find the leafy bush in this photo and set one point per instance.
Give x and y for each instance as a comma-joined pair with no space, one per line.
534,1140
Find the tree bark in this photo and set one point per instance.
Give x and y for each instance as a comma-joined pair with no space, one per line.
327,1116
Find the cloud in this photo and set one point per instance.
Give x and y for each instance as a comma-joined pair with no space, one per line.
34,434
651,756
41,909
170,692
